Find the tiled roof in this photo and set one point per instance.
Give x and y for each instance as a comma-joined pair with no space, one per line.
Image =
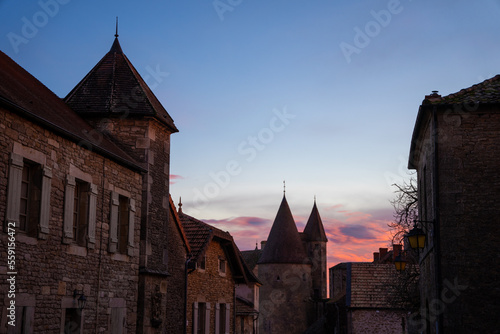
198,233
245,307
251,257
314,230
284,244
371,285
22,93
114,88
487,91
199,236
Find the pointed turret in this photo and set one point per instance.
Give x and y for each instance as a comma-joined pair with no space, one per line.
114,88
314,230
284,244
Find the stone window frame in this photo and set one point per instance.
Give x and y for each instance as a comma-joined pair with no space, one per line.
222,266
113,243
25,312
203,264
72,178
70,303
218,317
17,160
197,307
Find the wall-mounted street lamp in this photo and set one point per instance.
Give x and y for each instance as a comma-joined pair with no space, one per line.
400,263
417,236
82,300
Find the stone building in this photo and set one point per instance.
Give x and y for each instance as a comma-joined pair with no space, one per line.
292,269
364,300
216,269
85,182
117,102
72,203
455,150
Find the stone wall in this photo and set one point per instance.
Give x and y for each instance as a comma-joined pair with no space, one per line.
49,270
376,322
210,286
285,298
466,202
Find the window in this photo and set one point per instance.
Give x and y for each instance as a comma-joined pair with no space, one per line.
28,197
203,263
123,221
202,313
31,191
222,266
79,212
201,318
222,316
72,321
122,217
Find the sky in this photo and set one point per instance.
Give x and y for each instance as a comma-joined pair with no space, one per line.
321,94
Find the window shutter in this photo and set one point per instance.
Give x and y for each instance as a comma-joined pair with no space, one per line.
92,216
195,317
131,217
207,319
43,230
113,222
69,198
14,190
217,318
228,314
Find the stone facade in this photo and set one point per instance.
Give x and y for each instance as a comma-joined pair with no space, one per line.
49,268
286,305
292,269
364,299
212,287
457,157
90,202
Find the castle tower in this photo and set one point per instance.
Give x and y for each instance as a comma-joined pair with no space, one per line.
285,272
115,99
315,240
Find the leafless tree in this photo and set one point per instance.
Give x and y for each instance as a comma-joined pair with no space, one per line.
405,206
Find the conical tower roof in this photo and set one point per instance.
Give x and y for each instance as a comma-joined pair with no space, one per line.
284,244
314,230
114,88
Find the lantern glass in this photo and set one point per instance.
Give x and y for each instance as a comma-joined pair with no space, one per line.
416,237
399,263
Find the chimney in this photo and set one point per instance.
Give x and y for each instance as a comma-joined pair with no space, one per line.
376,257
262,244
383,252
396,250
433,97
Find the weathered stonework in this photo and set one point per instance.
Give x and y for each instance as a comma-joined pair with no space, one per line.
49,270
210,286
456,153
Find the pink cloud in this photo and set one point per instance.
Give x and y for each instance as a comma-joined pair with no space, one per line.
174,177
353,236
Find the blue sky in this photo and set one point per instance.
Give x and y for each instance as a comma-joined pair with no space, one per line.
322,94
